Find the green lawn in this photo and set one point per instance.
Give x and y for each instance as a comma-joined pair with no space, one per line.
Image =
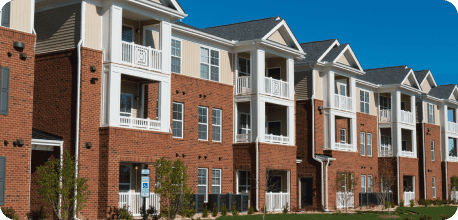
435,212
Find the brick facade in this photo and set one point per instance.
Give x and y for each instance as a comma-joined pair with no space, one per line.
433,167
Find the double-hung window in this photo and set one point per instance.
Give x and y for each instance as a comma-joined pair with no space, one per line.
369,144
363,143
216,124
202,183
434,187
203,123
216,181
176,56
124,177
177,120
363,183
369,183
4,89
243,182
432,151
343,135
209,64
364,101
431,113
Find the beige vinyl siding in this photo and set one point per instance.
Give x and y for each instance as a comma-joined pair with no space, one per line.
226,68
303,84
157,1
277,37
20,15
426,86
407,82
93,27
343,60
58,28
318,86
156,39
372,101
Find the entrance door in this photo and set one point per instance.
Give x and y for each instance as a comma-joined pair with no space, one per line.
306,192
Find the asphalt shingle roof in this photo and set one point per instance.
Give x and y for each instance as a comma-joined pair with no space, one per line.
314,50
443,91
421,74
42,135
386,75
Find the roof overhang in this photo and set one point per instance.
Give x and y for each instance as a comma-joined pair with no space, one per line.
202,34
289,34
368,84
455,90
173,14
243,46
401,87
344,67
336,43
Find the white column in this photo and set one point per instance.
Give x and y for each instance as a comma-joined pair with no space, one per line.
291,125
114,99
414,143
164,105
236,121
331,89
166,42
444,119
354,134
165,86
258,67
115,37
290,72
396,133
413,109
396,106
353,94
261,120
288,177
332,131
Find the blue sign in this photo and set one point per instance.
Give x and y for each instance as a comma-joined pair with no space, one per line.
145,171
145,187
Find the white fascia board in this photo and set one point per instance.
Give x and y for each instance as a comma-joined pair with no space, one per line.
344,67
177,6
276,48
368,84
201,34
452,102
410,89
429,74
348,48
454,90
157,7
336,43
290,33
295,53
411,73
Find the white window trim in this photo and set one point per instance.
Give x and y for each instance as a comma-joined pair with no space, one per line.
369,144
431,114
181,54
206,185
182,119
221,125
367,111
433,149
238,177
209,62
240,123
199,123
369,185
130,178
362,144
346,88
434,187
220,180
345,135
363,186
132,104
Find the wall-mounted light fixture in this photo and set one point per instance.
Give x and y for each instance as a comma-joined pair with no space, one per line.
205,157
138,31
93,68
183,155
5,142
320,108
220,158
177,155
184,93
429,129
178,91
18,143
94,80
10,54
88,145
19,45
199,157
23,56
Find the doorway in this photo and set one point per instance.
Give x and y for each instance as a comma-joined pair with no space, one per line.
306,192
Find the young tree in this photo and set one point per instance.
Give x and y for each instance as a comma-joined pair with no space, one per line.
345,185
172,186
387,180
266,186
57,186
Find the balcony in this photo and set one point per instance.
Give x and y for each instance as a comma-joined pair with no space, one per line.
140,123
407,154
243,138
134,202
276,87
243,86
343,102
407,117
453,159
452,127
385,116
386,151
140,56
276,139
276,201
343,147
407,197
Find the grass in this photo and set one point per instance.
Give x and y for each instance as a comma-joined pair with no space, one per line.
435,212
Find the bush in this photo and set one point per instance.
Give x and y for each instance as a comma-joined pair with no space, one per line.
426,217
387,205
438,202
285,209
421,202
445,217
37,215
205,211
250,210
189,212
402,203
123,213
10,213
427,202
224,210
408,218
234,210
215,210
412,203
392,204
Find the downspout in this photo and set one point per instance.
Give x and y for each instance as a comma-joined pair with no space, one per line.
399,196
446,179
257,174
424,156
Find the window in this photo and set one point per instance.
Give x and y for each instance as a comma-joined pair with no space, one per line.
124,177
127,33
244,182
274,128
209,64
404,145
430,113
369,144
364,101
343,135
176,56
363,183
203,123
452,148
126,104
216,181
369,184
344,183
403,106
244,123
5,90
202,176
385,103
2,179
432,150
363,143
386,142
274,184
244,67
5,15
343,89
177,120
216,129
434,187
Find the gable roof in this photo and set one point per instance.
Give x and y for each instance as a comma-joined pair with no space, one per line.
421,75
443,91
42,135
316,49
386,75
173,4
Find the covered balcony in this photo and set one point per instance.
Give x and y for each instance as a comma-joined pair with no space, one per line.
409,189
407,148
341,136
452,150
387,109
386,146
278,190
342,99
452,125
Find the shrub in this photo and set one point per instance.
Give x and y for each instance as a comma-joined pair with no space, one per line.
215,210
250,210
408,218
37,215
387,204
445,217
123,213
189,212
285,209
224,210
426,217
412,203
205,211
427,202
10,213
438,202
234,210
392,204
402,203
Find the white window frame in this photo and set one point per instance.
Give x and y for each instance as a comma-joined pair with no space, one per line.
210,49
247,60
132,105
385,140
362,102
434,186
240,127
180,57
130,177
177,120
363,184
369,184
433,155
220,180
431,119
344,135
362,144
239,174
202,123
220,125
206,183
369,145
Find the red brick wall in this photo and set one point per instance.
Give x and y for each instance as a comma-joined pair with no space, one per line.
18,123
388,166
319,127
342,123
452,168
433,168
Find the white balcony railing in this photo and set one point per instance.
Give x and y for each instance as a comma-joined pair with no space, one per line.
452,127
386,151
276,87
454,195
277,201
343,102
407,197
340,199
243,85
243,138
452,159
140,123
141,56
276,139
343,147
406,117
134,202
385,116
407,154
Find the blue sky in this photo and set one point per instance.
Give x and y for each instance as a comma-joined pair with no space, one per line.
421,34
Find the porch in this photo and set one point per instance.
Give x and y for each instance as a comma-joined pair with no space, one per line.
278,190
341,92
452,120
409,189
387,110
342,134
